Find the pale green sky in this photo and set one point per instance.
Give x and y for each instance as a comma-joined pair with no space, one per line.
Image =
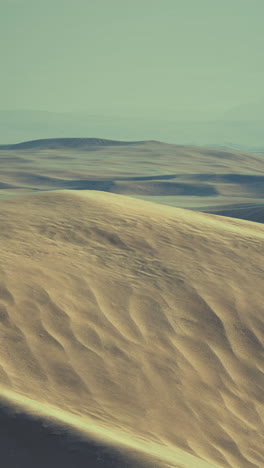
131,57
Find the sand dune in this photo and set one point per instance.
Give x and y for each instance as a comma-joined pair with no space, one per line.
136,324
183,176
249,211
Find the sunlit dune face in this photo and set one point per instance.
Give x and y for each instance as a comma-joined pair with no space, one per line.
135,323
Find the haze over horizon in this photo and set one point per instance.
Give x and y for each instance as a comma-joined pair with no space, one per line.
155,59
242,134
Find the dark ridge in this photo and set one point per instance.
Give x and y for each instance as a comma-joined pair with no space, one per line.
68,143
4,186
181,178
248,211
31,442
13,159
36,179
225,178
150,185
181,189
142,178
38,182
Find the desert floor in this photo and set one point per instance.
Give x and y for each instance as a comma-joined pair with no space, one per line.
131,332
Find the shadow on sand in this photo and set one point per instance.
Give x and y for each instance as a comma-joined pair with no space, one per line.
30,442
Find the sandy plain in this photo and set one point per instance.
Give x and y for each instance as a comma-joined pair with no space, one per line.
131,332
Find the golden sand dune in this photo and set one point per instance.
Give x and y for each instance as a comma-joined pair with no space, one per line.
138,324
183,176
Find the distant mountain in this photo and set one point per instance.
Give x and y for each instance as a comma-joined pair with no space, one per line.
230,130
68,143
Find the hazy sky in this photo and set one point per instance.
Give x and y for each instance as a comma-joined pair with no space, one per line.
131,57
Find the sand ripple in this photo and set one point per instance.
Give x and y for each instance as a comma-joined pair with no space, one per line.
138,320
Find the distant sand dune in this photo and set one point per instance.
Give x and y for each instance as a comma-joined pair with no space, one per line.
250,211
138,324
184,176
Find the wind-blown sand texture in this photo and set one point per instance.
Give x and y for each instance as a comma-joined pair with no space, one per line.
183,176
139,325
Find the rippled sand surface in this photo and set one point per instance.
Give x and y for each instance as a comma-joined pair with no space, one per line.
134,325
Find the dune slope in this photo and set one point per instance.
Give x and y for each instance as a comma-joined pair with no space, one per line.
135,323
183,176
250,211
